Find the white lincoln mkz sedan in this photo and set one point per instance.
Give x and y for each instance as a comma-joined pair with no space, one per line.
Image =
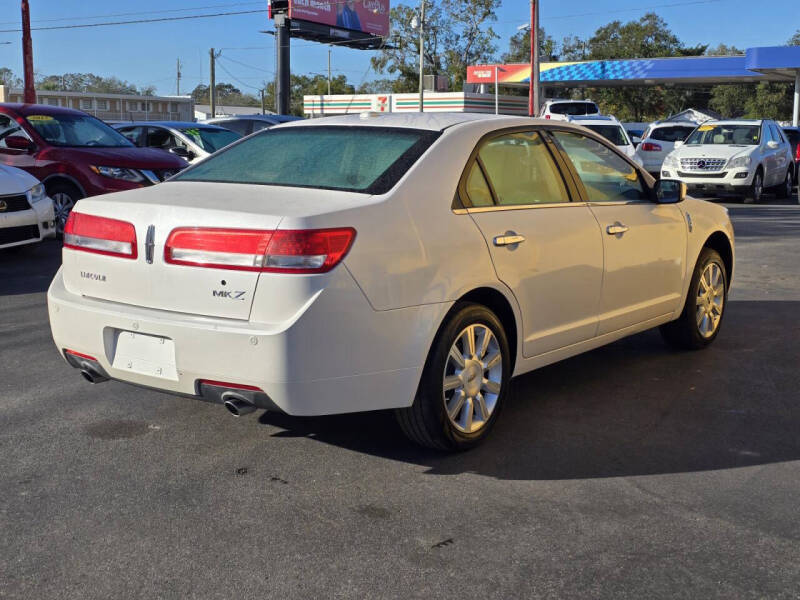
408,262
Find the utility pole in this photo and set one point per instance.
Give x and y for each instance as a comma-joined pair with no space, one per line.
329,70
282,49
533,87
421,53
263,102
212,88
178,78
27,54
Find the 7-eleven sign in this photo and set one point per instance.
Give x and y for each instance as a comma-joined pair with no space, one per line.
382,103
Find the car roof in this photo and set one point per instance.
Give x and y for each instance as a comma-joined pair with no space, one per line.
40,109
413,120
173,124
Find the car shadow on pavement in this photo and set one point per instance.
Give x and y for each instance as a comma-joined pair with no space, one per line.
29,269
635,407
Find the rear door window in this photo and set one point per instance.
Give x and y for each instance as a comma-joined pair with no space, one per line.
521,170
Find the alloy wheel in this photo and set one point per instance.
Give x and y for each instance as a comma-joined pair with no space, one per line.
757,188
473,378
710,300
62,206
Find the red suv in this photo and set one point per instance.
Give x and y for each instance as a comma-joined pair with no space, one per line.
77,155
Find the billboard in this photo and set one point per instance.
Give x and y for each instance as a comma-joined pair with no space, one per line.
366,16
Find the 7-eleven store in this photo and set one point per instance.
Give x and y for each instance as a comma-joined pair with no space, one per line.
341,104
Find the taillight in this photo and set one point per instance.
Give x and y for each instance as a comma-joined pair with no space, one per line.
797,153
100,235
547,116
79,354
282,251
650,147
233,386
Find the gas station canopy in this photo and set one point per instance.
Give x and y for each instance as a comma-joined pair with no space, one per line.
778,63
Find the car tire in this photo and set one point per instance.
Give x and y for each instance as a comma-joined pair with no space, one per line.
464,383
756,190
64,196
704,309
784,190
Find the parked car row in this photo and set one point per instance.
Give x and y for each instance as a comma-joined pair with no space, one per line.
64,155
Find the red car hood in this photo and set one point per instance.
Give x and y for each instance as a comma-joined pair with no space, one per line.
133,157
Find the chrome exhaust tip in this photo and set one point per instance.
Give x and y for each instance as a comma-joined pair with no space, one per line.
237,405
92,376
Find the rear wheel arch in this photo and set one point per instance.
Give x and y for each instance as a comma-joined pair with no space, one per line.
500,305
719,241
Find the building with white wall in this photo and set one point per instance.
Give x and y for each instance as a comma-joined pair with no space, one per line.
112,107
341,104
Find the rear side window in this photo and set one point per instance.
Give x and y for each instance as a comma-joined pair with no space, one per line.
521,170
671,134
776,133
357,159
613,133
477,189
606,176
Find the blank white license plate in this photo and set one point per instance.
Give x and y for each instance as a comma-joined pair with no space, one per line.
150,355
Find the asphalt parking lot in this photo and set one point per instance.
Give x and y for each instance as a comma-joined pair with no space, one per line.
633,471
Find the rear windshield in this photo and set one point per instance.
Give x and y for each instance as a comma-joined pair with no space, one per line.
792,135
671,134
613,133
574,108
740,135
357,159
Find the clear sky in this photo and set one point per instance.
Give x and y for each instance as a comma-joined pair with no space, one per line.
145,54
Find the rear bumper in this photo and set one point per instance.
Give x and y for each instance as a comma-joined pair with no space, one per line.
338,356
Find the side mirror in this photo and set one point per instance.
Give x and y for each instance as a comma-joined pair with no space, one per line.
636,140
19,142
184,153
678,143
772,144
669,191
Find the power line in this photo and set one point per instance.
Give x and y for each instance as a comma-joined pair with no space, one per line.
139,13
136,21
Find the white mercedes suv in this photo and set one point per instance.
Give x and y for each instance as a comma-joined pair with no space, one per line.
408,262
733,157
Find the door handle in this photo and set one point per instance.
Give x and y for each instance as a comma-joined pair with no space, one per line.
509,239
616,229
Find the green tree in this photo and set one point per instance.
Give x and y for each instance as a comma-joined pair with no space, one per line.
519,47
9,79
89,82
647,37
456,35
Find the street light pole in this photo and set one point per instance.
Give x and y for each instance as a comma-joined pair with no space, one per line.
421,53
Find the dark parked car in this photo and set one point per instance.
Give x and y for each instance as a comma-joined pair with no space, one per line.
247,124
76,155
185,139
793,136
